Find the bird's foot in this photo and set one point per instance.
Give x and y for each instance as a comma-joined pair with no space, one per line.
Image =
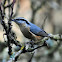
32,44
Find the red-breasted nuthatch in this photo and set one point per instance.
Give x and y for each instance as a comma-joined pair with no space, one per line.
30,30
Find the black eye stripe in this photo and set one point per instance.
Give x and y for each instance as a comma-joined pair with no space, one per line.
23,20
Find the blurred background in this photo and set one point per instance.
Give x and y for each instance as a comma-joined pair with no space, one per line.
36,11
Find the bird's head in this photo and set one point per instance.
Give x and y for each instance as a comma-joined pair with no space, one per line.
20,20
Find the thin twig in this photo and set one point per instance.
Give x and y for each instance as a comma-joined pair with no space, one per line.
31,57
44,22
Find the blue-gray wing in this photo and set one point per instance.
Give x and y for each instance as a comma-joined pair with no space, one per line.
37,31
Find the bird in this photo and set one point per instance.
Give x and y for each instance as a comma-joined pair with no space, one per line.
30,30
